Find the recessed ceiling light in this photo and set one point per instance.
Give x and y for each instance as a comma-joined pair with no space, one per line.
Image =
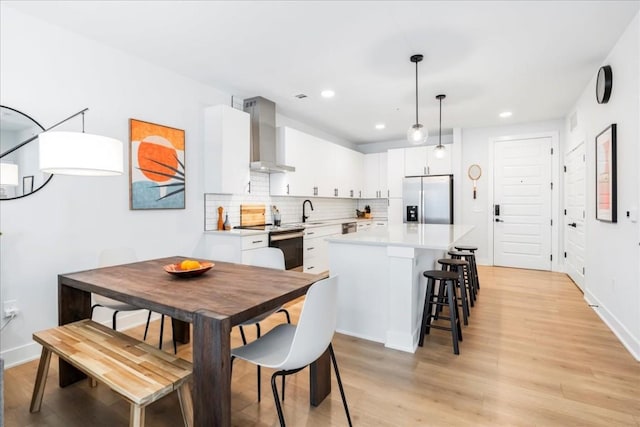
380,126
505,114
327,93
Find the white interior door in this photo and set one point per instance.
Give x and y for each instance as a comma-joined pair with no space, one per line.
574,214
522,203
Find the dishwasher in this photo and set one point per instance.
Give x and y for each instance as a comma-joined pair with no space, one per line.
349,227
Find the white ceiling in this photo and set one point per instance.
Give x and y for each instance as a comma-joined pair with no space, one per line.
533,58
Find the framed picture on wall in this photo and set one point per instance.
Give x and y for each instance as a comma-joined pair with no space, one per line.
156,166
606,176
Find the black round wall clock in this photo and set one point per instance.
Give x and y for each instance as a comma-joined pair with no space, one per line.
604,84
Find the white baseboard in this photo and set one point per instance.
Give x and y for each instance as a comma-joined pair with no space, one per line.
31,351
631,344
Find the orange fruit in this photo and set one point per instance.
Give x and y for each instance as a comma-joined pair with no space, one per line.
189,264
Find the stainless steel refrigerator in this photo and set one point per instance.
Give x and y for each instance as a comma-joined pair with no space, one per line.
428,199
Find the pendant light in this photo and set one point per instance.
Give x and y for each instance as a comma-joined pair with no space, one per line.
439,150
417,134
75,153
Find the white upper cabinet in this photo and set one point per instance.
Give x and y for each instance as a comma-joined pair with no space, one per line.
395,171
375,176
226,150
422,161
323,169
415,161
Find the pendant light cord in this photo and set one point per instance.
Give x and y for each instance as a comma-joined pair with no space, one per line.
440,126
416,92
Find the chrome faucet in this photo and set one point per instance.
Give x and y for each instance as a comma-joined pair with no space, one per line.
304,217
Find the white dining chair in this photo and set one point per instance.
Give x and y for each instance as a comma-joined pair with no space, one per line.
268,258
291,348
117,256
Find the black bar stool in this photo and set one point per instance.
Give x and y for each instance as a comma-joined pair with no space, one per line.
462,268
474,267
470,258
433,301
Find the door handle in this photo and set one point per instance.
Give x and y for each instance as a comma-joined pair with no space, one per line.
499,220
573,224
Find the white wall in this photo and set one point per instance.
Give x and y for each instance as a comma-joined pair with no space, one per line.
49,74
477,148
612,279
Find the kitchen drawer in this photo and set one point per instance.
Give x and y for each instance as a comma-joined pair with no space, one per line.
328,230
255,241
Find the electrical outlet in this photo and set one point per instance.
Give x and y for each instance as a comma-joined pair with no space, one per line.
10,308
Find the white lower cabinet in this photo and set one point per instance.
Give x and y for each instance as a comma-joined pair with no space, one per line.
316,248
232,247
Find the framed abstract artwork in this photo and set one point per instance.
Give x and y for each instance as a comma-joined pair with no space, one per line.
606,179
156,166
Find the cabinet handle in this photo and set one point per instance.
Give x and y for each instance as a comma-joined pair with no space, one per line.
310,267
257,241
351,193
335,192
287,188
360,194
310,249
249,187
310,233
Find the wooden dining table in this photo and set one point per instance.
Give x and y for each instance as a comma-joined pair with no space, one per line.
213,303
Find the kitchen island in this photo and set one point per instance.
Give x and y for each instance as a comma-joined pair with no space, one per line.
381,287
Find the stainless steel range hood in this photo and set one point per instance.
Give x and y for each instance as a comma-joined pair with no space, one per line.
263,136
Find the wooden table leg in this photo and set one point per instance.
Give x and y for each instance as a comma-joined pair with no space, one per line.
320,379
180,331
211,370
73,305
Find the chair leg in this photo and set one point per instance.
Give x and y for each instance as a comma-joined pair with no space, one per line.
276,398
453,309
286,313
146,328
41,380
426,312
92,307
115,313
244,339
463,296
335,368
258,369
161,331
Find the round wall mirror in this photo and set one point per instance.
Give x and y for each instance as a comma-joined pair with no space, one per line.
19,169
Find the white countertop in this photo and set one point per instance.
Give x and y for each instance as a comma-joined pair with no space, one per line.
310,224
423,236
238,233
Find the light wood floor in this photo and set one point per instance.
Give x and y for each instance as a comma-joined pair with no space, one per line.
533,354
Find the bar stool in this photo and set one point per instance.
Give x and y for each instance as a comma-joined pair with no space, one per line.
433,301
462,268
474,267
470,258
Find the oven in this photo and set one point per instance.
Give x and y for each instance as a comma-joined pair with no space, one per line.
290,242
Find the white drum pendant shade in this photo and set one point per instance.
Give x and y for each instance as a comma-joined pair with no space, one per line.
8,174
75,153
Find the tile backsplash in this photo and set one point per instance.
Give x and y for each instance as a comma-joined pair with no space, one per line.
290,207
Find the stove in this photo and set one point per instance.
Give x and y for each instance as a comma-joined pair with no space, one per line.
287,238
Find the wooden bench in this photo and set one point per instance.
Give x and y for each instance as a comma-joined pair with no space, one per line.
137,371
